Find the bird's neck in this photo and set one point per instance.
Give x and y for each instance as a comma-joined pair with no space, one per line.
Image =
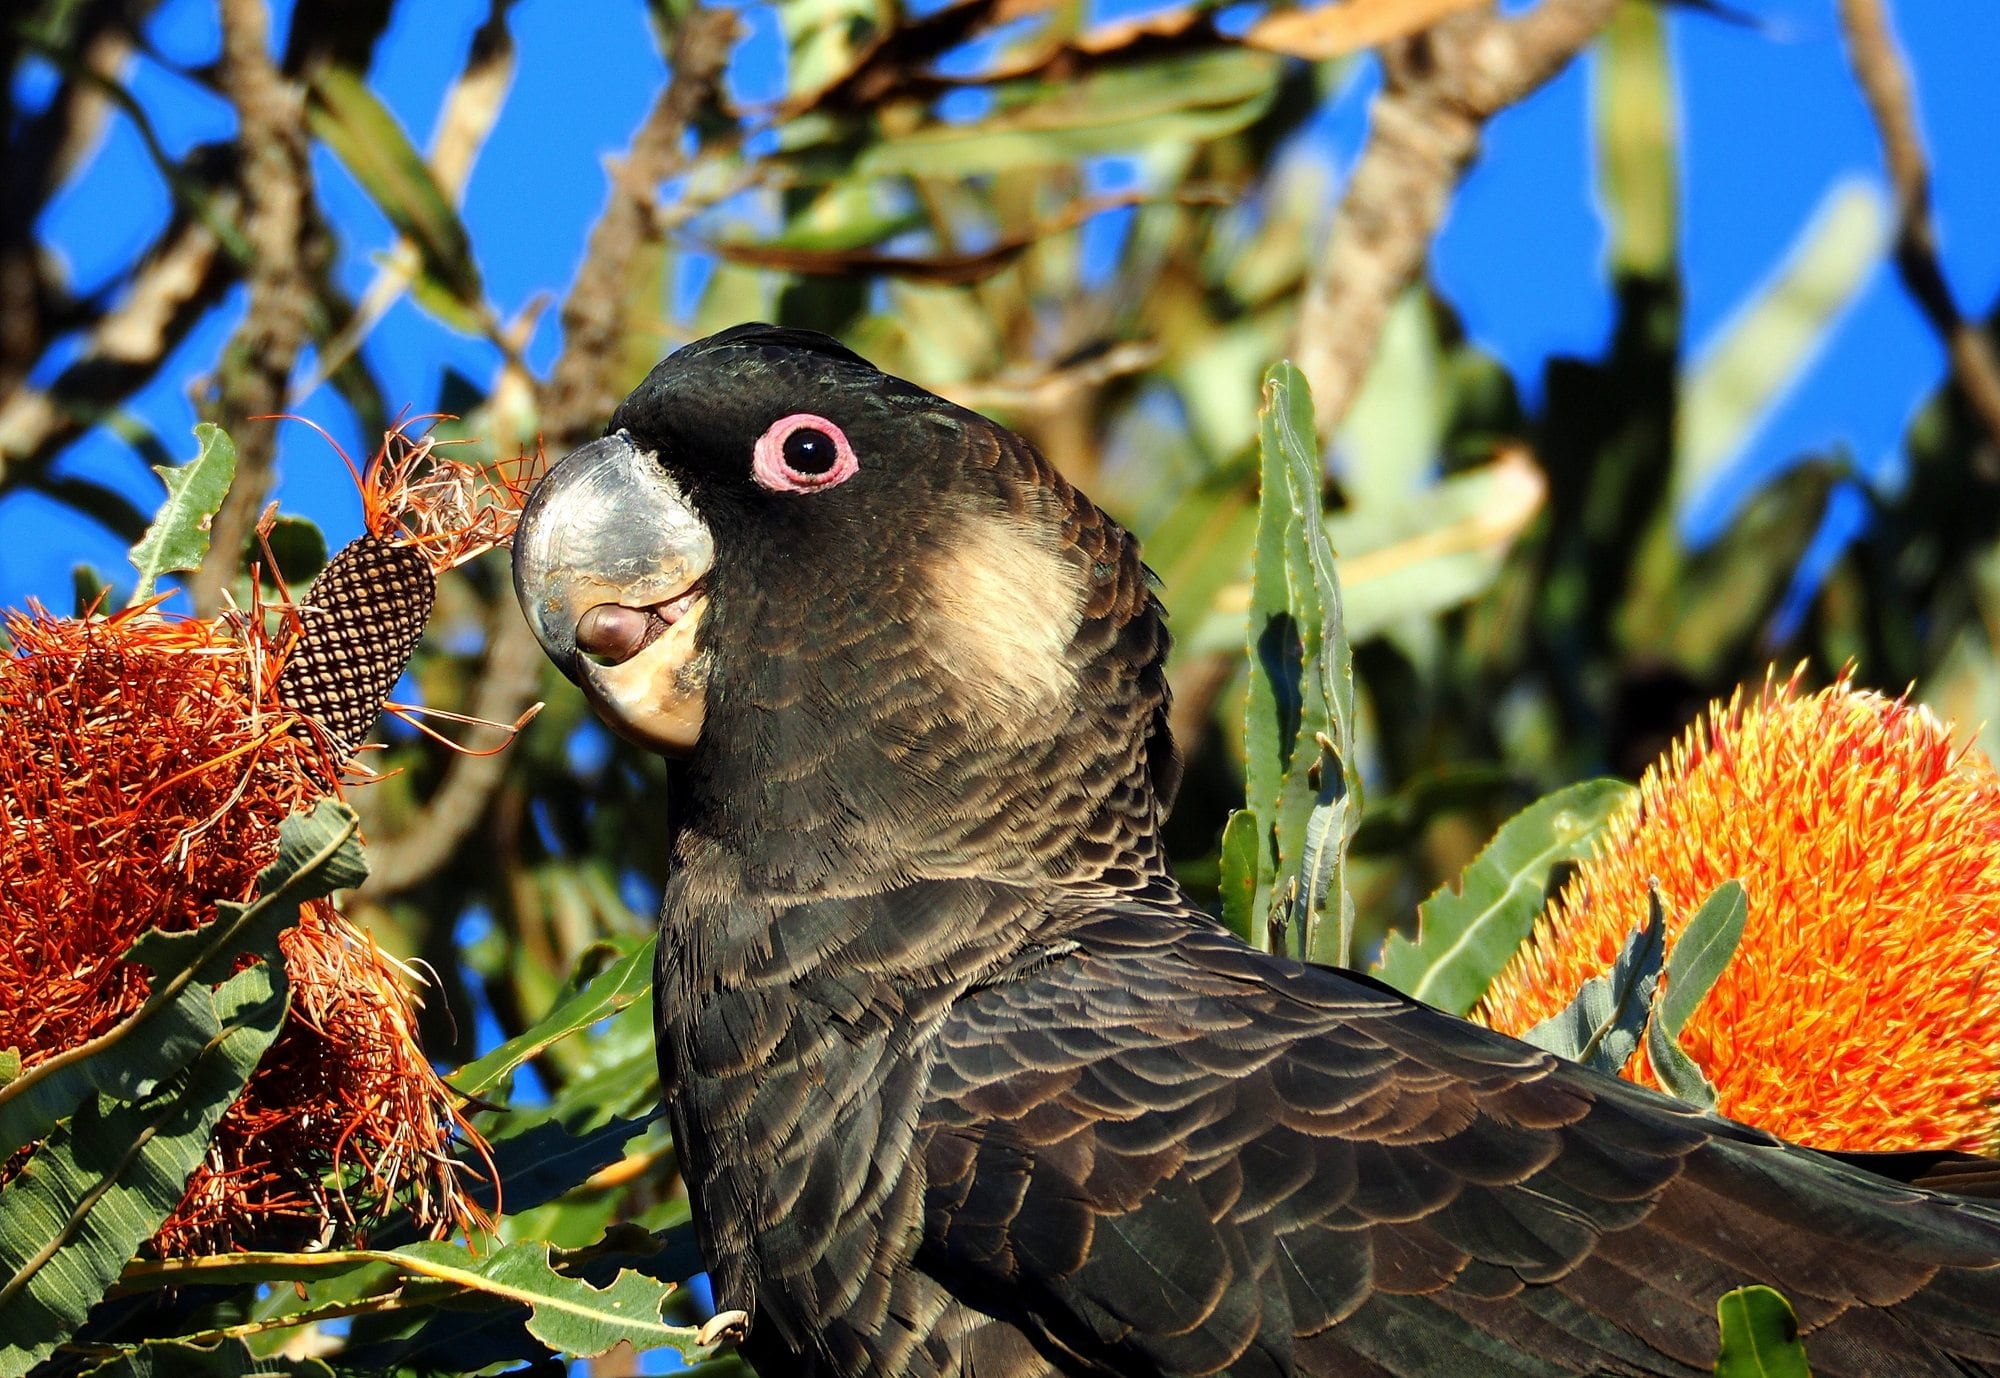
866,772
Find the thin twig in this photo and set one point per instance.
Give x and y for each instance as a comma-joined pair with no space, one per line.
581,391
1885,81
1440,88
276,182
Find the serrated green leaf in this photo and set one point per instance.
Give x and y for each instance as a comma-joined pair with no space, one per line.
567,1314
1466,934
178,537
626,980
1298,725
100,1185
318,852
1703,949
1600,1026
1760,1336
566,1309
1186,99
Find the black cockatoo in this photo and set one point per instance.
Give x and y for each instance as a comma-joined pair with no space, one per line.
963,1083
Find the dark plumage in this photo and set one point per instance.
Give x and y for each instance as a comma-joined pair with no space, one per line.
964,1084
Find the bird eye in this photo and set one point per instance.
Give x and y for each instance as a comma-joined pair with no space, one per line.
802,453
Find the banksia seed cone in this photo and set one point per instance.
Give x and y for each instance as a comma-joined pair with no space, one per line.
1862,1008
360,624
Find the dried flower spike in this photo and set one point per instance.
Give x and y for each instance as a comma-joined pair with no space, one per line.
1859,1011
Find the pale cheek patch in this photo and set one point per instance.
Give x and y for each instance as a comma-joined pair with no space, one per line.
1006,607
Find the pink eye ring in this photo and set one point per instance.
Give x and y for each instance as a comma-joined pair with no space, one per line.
802,453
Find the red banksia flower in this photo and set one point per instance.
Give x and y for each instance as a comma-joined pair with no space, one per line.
1862,1008
146,763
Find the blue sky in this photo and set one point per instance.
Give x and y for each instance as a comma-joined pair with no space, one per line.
1770,122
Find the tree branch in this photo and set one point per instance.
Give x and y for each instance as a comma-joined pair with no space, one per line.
1440,88
185,273
581,391
1885,82
584,385
276,182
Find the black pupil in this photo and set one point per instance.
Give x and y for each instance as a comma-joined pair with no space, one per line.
810,451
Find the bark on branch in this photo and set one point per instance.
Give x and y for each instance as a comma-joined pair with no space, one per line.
1885,82
1440,88
276,188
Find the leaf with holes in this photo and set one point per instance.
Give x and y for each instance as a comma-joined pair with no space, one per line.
178,537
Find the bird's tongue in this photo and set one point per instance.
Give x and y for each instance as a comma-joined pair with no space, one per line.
614,634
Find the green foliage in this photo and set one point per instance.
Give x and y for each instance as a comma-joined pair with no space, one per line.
1043,124
1760,1336
1703,949
1302,788
178,536
1515,608
102,1183
618,985
1600,1026
371,145
1466,932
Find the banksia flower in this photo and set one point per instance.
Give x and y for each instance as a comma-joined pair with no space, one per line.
146,763
1862,1007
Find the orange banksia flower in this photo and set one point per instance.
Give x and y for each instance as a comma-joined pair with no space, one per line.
146,763
1862,1008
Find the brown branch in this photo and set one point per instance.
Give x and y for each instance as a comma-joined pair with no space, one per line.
1885,82
185,272
580,393
1440,88
276,182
